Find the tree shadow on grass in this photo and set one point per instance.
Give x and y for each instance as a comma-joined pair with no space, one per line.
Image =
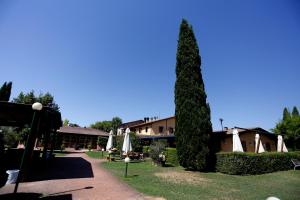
34,196
131,176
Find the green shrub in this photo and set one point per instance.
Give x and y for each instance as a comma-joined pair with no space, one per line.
251,163
155,150
119,142
172,156
135,142
146,149
102,141
62,147
90,147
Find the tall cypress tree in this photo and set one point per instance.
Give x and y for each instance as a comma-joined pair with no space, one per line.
8,91
286,114
192,112
5,91
295,112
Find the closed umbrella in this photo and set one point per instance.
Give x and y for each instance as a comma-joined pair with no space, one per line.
109,144
281,145
258,145
236,142
127,143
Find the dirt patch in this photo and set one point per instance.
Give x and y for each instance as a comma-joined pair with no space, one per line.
183,177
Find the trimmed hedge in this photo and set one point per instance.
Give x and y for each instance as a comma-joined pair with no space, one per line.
172,156
251,163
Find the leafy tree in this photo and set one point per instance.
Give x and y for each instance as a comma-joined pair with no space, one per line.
10,137
5,91
289,127
30,98
47,100
102,125
115,123
192,112
107,126
66,122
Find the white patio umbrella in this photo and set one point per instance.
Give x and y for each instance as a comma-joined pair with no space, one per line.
127,143
258,145
236,142
119,131
281,145
109,144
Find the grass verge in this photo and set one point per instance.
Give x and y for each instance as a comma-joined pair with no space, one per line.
176,183
97,154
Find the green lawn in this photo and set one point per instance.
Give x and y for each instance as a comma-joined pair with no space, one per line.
97,154
176,183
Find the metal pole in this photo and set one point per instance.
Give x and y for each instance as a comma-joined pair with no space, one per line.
26,154
126,170
53,142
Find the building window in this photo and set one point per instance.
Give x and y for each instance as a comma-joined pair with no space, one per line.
146,129
171,130
160,129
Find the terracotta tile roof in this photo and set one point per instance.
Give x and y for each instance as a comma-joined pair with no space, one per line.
82,131
242,130
151,122
130,124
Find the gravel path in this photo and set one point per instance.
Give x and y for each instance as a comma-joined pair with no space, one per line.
77,177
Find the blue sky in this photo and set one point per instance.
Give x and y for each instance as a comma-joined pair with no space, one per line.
102,59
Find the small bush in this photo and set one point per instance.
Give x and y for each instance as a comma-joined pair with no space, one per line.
251,163
156,150
146,149
62,147
172,156
90,147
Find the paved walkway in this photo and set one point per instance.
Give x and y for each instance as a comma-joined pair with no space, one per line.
77,177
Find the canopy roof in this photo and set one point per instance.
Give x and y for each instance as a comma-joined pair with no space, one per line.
15,114
82,131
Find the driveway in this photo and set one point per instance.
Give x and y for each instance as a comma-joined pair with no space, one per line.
74,177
